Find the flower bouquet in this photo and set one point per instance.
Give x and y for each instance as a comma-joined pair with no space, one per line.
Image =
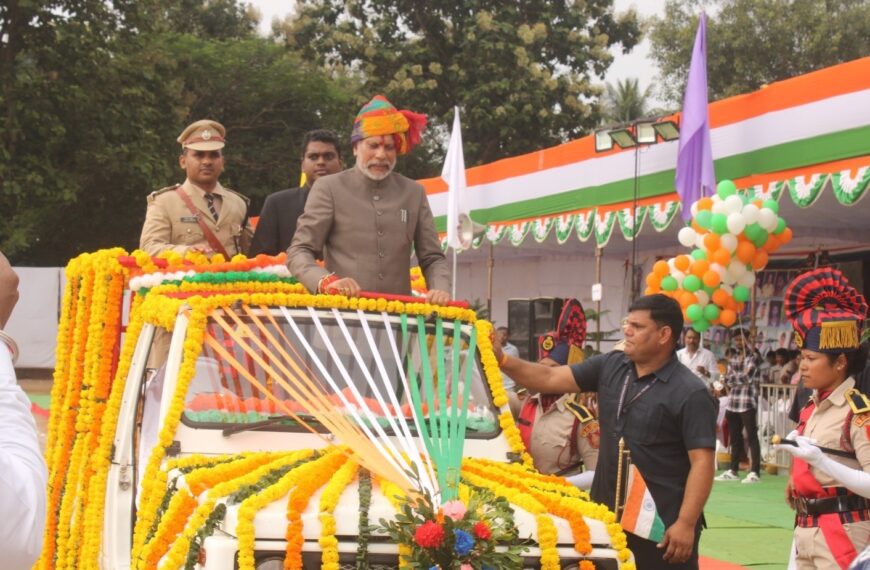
478,533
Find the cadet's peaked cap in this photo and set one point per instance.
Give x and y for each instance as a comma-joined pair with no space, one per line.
203,135
826,312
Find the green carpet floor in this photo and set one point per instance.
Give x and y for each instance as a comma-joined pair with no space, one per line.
750,525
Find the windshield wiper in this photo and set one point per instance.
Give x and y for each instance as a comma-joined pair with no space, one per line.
238,428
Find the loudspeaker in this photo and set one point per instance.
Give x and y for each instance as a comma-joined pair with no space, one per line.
530,318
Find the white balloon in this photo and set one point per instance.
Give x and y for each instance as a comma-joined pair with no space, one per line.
672,263
734,204
702,296
687,236
679,276
718,269
699,241
736,223
727,288
747,280
729,242
694,209
767,219
737,269
719,208
750,214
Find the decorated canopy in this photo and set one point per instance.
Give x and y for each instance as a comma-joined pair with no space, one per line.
804,141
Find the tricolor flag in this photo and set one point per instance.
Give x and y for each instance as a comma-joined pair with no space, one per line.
640,516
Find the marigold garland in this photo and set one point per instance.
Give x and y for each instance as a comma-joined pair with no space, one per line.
87,396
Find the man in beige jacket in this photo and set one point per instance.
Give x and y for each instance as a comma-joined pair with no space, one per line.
200,214
367,219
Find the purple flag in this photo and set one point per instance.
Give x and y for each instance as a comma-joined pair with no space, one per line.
695,175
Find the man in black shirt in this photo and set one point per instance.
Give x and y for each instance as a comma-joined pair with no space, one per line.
277,225
665,414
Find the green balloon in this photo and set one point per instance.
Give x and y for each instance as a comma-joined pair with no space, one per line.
711,312
741,293
772,204
701,325
752,231
709,290
669,283
761,239
719,223
726,188
704,219
691,283
699,254
695,312
780,227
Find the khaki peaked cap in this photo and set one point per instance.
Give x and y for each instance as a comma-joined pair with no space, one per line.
203,135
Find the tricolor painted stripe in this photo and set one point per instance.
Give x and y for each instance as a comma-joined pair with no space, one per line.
640,516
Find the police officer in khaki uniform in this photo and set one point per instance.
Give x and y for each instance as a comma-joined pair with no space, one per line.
830,475
200,214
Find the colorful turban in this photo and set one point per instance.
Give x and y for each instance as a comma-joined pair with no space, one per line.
826,312
379,117
565,345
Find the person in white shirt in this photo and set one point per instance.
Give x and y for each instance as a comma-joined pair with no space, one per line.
699,360
22,469
514,401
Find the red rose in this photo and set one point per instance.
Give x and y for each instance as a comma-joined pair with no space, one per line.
482,531
429,535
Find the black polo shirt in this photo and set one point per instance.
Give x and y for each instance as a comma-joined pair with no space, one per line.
664,415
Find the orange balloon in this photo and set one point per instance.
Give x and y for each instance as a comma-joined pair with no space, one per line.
720,297
654,281
697,228
760,260
687,298
717,320
650,291
745,252
722,256
682,262
712,242
786,236
727,317
740,306
699,267
731,304
711,278
758,203
771,244
705,204
661,268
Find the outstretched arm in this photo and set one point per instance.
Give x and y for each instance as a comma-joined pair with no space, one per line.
8,290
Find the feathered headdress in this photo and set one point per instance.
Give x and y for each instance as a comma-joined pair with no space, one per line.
565,344
379,117
826,312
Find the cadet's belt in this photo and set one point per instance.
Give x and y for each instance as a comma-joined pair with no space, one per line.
822,506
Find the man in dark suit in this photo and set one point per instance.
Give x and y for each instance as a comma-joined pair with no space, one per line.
320,156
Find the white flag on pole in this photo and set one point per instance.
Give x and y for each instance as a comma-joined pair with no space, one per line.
453,174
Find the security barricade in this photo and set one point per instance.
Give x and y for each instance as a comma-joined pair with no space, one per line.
774,402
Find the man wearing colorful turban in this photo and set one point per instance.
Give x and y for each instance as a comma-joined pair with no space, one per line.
366,220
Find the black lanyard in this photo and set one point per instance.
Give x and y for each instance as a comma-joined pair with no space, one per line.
622,402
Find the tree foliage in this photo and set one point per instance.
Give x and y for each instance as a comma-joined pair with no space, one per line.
624,101
522,72
754,42
94,95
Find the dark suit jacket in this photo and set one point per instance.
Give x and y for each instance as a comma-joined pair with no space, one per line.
278,221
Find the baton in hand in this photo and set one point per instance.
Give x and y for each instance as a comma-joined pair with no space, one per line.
777,440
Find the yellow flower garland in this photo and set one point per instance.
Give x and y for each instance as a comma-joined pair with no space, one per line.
88,395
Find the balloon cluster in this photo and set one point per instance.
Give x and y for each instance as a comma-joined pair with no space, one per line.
731,237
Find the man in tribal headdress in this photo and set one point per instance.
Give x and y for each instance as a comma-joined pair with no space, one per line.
829,483
367,219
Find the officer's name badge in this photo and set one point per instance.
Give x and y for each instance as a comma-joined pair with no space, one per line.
188,219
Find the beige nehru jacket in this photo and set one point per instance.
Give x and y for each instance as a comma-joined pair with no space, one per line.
169,223
366,230
552,447
827,425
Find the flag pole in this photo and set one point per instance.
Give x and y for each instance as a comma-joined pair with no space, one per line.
453,288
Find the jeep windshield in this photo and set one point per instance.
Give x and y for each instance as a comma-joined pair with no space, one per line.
297,369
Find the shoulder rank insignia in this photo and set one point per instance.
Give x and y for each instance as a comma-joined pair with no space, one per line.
156,193
548,342
580,411
859,403
244,198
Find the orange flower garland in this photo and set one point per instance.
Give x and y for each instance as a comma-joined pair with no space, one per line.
328,502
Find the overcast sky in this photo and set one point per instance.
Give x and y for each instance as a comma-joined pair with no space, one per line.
635,64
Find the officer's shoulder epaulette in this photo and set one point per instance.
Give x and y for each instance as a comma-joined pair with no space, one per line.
580,411
859,403
156,193
242,196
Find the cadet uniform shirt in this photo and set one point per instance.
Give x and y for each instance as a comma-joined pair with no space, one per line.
664,415
552,446
169,224
366,230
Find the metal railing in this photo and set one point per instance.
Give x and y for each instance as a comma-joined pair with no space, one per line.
774,402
